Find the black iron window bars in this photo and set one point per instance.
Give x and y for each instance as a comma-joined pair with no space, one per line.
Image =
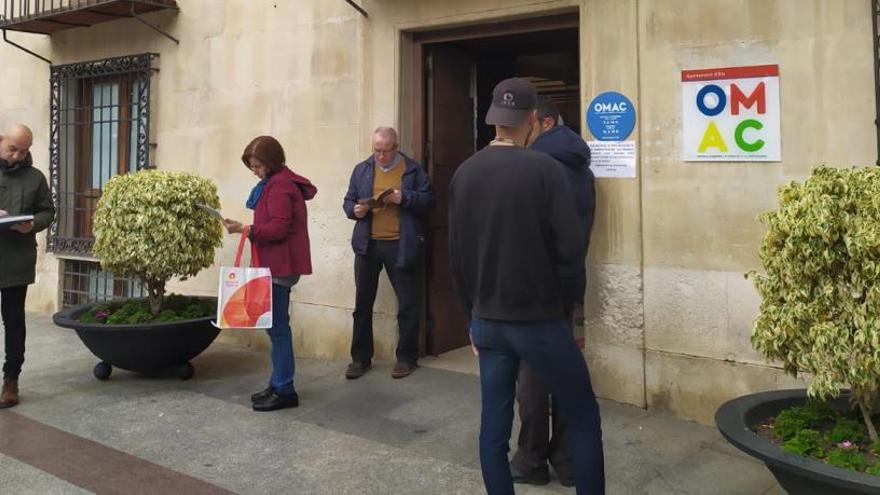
100,127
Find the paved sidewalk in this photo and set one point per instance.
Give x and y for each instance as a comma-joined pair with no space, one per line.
133,434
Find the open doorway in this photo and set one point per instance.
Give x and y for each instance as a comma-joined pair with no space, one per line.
453,92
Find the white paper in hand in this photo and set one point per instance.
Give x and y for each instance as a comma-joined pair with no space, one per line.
8,221
212,211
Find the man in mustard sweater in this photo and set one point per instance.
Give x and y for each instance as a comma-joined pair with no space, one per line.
388,197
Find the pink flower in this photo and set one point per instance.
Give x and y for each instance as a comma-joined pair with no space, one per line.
847,445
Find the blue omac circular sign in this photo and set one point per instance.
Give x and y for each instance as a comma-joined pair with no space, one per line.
611,117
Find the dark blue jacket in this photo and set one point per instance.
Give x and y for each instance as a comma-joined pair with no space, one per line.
569,149
418,199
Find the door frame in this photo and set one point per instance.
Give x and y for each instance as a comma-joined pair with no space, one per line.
413,94
414,50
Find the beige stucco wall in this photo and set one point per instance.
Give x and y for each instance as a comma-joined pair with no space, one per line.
24,97
668,310
614,309
245,68
699,219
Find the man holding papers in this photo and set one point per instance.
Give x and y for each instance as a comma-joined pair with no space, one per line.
23,192
389,196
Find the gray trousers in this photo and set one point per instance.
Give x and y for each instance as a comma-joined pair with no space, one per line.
542,435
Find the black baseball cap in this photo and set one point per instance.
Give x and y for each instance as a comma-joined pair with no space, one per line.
512,100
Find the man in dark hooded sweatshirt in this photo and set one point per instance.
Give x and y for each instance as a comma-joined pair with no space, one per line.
535,446
23,191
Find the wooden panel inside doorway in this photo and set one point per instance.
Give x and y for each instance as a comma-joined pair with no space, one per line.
450,139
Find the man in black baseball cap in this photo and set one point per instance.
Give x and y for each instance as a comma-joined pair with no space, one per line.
513,101
517,251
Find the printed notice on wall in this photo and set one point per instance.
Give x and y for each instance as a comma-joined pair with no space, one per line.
613,159
731,115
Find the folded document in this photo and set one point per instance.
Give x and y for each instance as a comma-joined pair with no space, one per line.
212,211
8,221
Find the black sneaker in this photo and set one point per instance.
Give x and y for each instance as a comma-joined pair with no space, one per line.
533,477
277,401
262,394
356,370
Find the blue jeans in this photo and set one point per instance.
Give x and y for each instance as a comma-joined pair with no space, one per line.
550,351
282,341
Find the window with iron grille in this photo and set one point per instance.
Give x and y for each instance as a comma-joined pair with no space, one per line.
100,126
84,282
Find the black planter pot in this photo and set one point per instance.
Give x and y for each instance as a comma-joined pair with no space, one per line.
149,348
798,475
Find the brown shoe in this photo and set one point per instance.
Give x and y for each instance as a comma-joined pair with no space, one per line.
403,370
356,370
9,395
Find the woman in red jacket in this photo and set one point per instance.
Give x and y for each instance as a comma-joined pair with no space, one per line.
280,236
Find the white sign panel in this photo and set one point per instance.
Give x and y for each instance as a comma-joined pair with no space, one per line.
731,115
613,159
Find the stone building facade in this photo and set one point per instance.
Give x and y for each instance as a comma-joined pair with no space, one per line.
668,311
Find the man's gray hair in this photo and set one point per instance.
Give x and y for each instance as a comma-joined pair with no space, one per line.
387,133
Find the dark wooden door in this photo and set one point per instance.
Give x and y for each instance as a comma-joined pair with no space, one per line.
450,141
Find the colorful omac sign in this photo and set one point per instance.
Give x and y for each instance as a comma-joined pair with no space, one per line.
731,114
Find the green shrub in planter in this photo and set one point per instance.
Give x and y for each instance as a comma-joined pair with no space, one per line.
136,311
805,442
147,226
790,421
847,458
847,429
820,290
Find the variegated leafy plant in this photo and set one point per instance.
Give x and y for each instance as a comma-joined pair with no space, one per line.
820,290
147,226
